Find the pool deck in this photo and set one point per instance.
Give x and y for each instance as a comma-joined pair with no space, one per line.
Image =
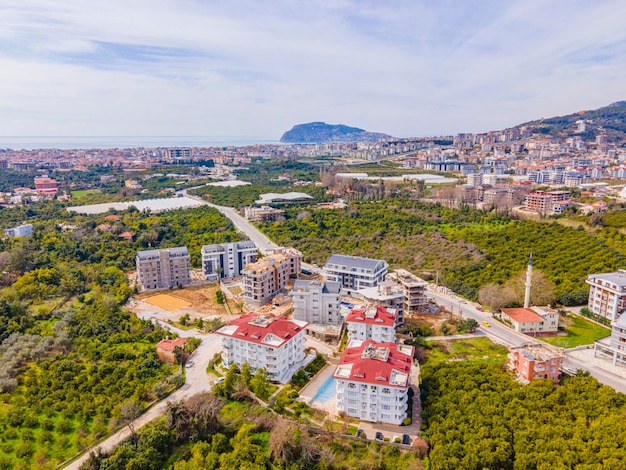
309,391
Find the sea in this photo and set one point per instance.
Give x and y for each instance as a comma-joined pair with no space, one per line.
124,142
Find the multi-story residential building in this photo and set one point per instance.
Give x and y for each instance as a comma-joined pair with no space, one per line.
388,294
264,341
373,380
543,201
607,294
294,260
614,346
163,269
19,231
178,153
264,214
414,291
355,273
317,302
268,276
373,322
227,259
532,320
535,362
474,179
46,186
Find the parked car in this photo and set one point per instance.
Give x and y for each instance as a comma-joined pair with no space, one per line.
486,323
360,433
406,439
379,436
219,380
189,364
479,308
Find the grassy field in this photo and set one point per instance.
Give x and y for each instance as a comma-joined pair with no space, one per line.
579,332
83,193
467,349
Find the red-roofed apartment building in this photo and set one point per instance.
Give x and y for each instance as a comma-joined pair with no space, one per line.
532,320
373,322
273,343
373,381
165,349
46,186
535,362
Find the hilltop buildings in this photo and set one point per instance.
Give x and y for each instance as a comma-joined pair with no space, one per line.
607,294
19,231
354,272
274,343
227,259
373,380
373,322
163,269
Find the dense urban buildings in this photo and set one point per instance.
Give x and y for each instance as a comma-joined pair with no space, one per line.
373,380
264,341
355,273
227,259
607,294
163,269
535,362
373,322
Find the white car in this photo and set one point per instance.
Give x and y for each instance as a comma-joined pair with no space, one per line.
219,380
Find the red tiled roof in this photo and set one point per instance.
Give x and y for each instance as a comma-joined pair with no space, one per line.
374,369
256,328
521,315
381,316
170,344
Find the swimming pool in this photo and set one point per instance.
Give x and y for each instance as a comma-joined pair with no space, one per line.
327,391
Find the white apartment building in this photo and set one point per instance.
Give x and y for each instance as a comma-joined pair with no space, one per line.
372,322
227,259
354,272
268,276
19,231
607,295
163,269
535,321
373,380
264,341
317,302
389,295
614,346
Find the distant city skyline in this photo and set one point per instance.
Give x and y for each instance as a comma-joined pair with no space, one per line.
245,68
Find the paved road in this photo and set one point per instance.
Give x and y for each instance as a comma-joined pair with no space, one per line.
501,334
196,382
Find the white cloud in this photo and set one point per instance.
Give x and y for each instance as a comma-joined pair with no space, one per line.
149,67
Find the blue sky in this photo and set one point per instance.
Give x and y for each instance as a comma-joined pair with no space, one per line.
250,68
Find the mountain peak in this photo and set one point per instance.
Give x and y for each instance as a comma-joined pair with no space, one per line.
320,132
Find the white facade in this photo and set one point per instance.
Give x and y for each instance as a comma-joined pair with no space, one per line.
263,341
372,322
355,273
607,295
317,302
20,231
373,380
163,269
227,259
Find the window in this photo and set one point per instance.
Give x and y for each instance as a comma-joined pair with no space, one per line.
386,391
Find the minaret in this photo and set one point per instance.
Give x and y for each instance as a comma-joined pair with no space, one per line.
529,275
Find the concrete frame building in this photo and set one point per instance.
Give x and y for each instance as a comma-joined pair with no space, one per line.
373,381
264,341
163,269
607,294
389,295
372,322
535,362
268,276
532,320
354,272
543,201
227,259
414,291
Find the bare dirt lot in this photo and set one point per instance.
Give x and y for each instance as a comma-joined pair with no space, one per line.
199,299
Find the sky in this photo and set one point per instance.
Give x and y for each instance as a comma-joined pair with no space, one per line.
256,68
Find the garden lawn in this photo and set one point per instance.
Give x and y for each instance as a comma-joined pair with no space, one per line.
579,332
83,193
467,349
